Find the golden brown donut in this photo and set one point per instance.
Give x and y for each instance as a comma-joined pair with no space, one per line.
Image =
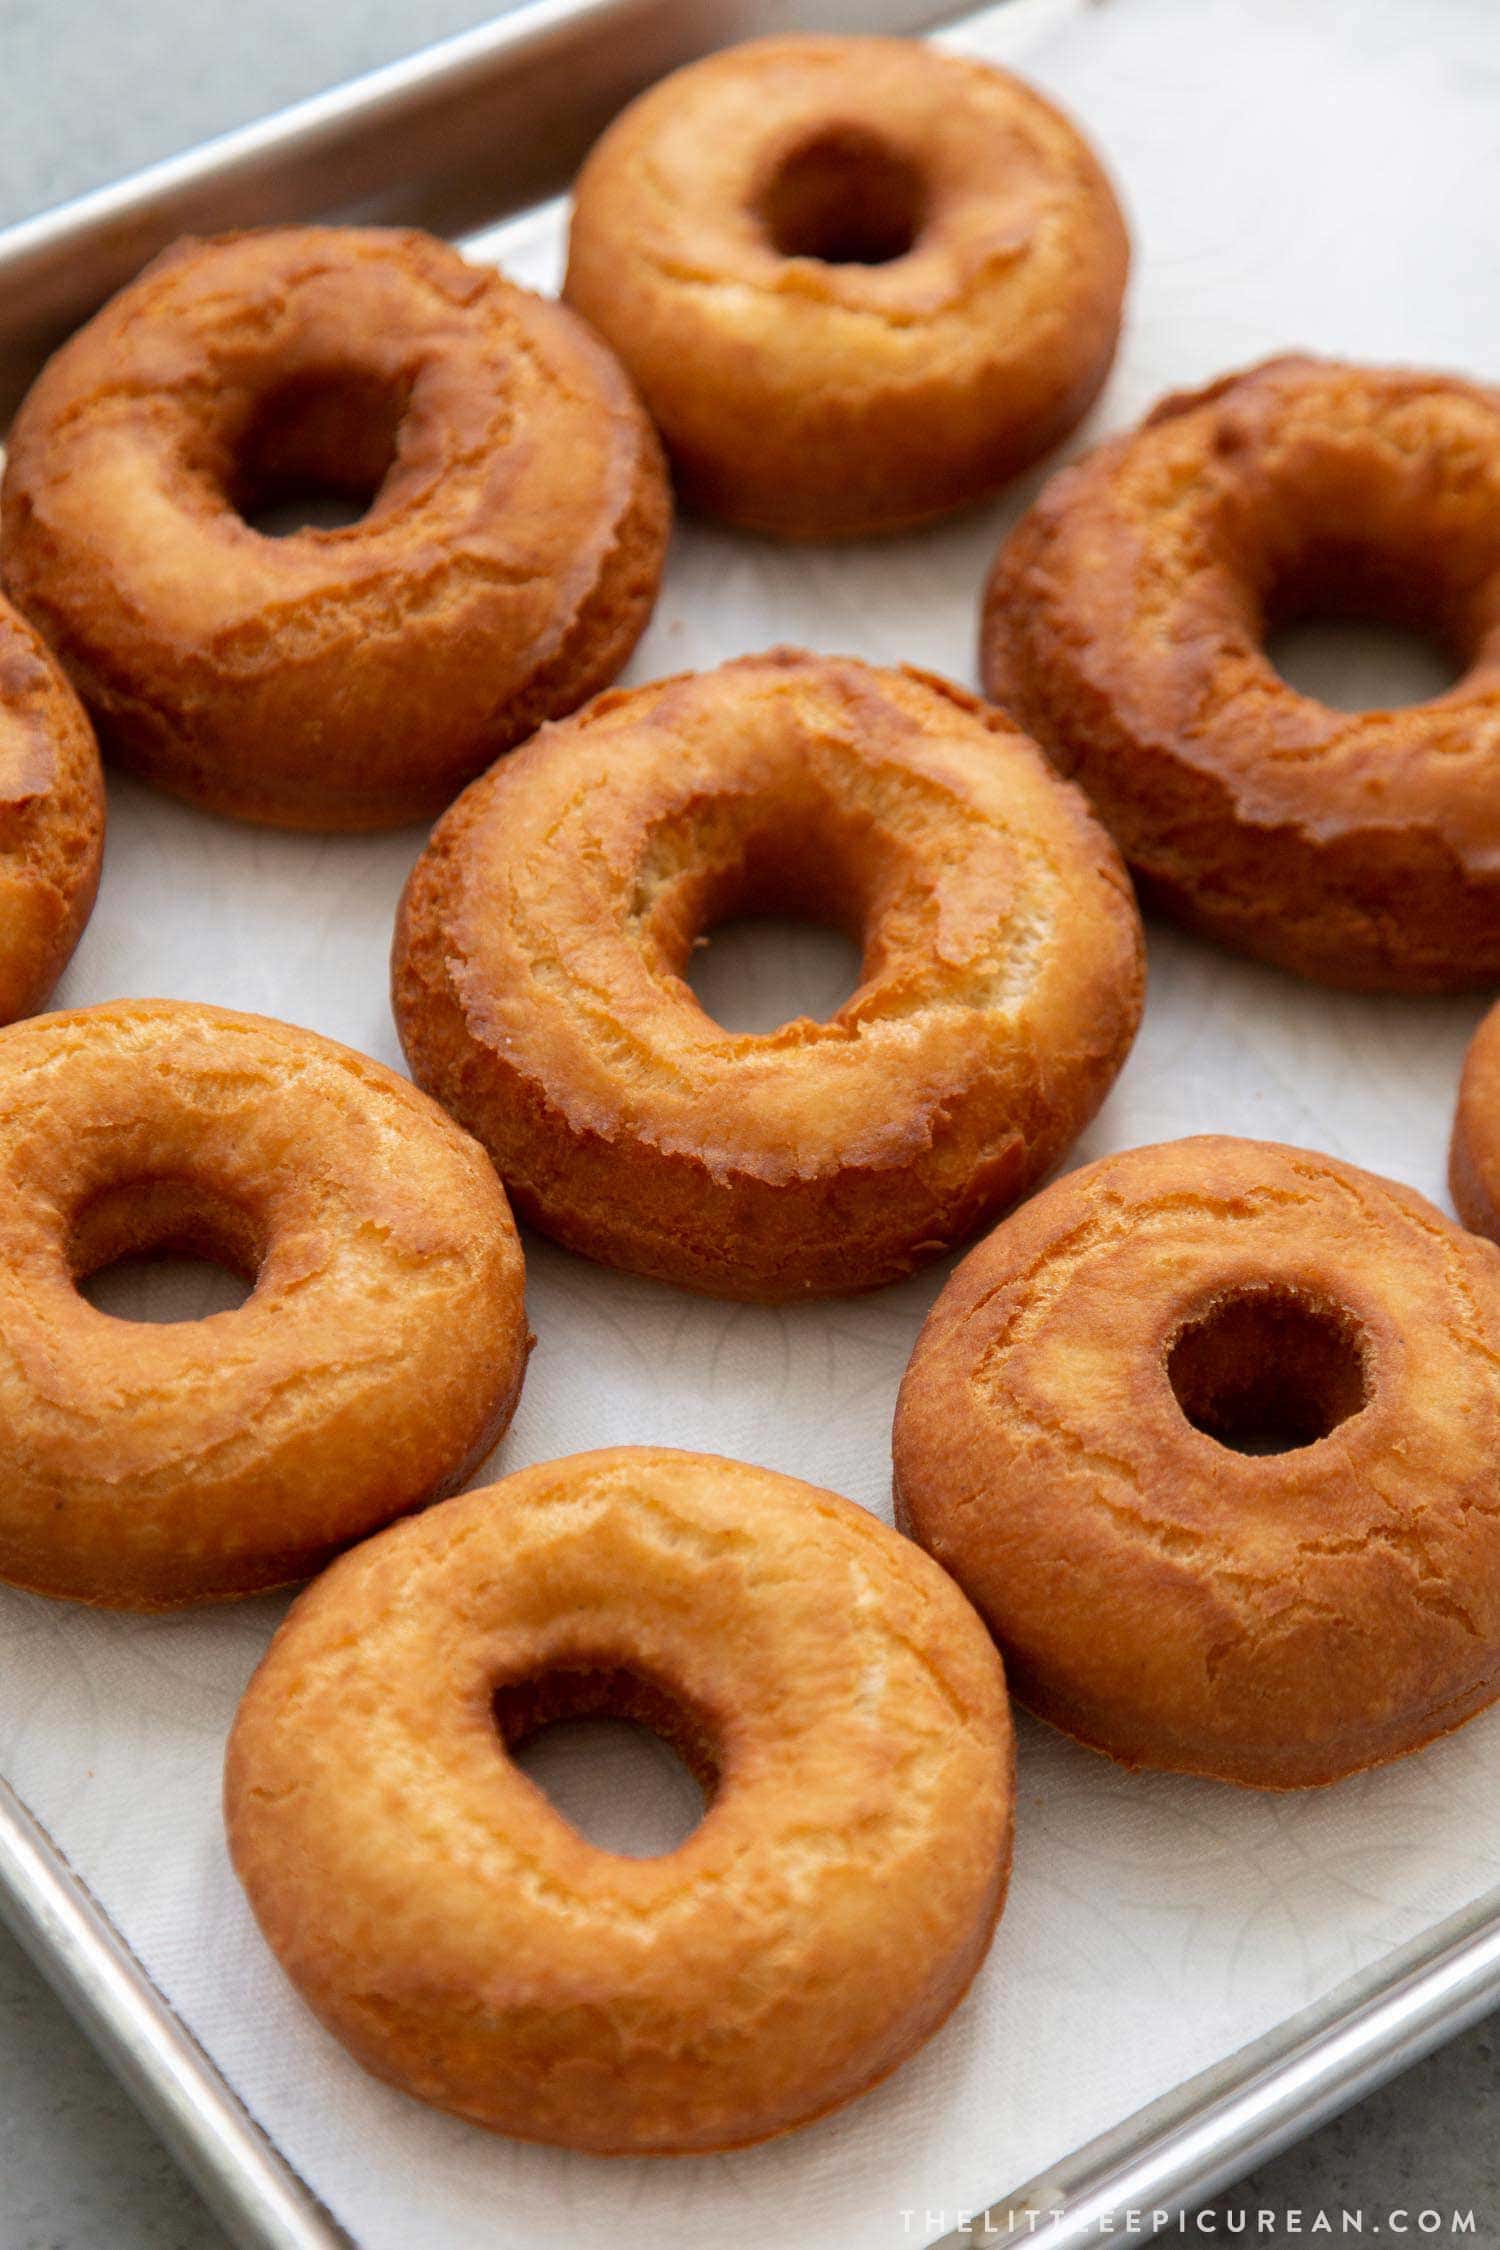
838,1699
374,1363
1474,1159
859,282
348,678
1083,1438
1125,626
51,819
542,939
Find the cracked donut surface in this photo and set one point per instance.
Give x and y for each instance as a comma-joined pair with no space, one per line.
1206,1431
836,1695
373,1364
860,282
515,518
51,819
540,950
1125,625
1474,1156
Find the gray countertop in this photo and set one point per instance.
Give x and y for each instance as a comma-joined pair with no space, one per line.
88,91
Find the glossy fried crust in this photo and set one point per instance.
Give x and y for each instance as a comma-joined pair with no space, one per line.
859,282
1277,1619
51,819
1124,625
374,1363
544,932
346,678
833,1690
1474,1159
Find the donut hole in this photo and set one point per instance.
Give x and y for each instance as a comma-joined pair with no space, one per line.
754,973
1361,664
845,198
316,451
164,1251
763,917
1358,627
1266,1370
624,1760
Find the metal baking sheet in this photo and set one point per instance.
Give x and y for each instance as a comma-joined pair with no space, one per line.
1371,1910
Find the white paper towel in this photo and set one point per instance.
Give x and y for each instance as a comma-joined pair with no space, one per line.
1295,176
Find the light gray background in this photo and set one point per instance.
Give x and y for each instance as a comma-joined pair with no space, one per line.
90,89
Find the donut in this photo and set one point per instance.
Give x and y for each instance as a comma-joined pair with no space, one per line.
1207,1432
51,819
1474,1160
1125,625
838,1699
541,942
860,283
374,1363
345,678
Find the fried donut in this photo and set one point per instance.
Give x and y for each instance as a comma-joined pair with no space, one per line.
1474,1159
541,943
348,678
859,282
836,1696
1208,1434
374,1363
1125,626
51,819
